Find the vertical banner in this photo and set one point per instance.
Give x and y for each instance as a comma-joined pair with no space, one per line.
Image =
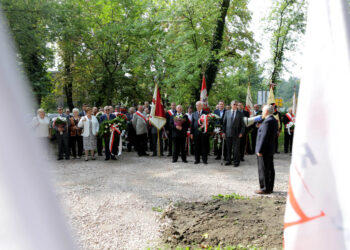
318,205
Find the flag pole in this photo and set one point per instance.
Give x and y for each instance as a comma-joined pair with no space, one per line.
158,142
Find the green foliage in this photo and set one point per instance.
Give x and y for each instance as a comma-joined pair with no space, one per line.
227,197
285,90
286,23
27,20
114,51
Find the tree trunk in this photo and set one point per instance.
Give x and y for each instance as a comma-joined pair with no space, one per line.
68,87
212,67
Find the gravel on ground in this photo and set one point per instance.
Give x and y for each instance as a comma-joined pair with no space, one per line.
117,204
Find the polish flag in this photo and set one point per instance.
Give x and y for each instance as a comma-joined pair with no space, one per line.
204,95
318,205
157,118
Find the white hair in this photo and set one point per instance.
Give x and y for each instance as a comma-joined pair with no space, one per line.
40,110
269,108
199,103
75,110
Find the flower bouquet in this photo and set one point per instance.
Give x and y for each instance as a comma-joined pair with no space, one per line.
179,120
117,124
290,126
60,123
208,123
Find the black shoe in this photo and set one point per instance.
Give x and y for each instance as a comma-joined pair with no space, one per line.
67,158
236,165
60,158
145,154
204,162
196,162
154,154
277,152
106,159
173,161
99,154
113,157
218,158
184,161
161,154
227,163
242,159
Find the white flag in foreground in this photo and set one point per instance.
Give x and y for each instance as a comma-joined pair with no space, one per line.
318,208
30,217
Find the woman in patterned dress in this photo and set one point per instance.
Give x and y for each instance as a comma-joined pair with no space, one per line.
90,126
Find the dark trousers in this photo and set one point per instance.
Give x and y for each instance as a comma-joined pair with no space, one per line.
74,142
114,152
254,135
63,144
288,141
141,144
276,144
155,143
99,145
170,144
233,148
179,147
242,145
266,173
201,147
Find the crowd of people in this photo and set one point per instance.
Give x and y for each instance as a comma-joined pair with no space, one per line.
78,136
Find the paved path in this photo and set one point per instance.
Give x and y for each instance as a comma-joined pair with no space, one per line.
109,204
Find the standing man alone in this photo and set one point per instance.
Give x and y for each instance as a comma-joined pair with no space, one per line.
265,149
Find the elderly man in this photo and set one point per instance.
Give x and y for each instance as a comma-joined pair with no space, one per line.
233,130
140,125
168,129
106,117
220,111
130,129
179,133
243,141
265,149
200,138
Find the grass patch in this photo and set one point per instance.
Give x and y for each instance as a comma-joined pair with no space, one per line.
227,197
157,209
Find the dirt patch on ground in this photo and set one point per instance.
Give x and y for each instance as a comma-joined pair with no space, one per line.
252,221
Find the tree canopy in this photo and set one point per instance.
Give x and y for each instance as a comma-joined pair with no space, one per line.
112,52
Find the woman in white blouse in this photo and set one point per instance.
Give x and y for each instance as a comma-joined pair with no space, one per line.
91,126
41,124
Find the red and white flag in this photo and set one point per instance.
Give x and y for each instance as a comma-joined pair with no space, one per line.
318,206
157,118
204,95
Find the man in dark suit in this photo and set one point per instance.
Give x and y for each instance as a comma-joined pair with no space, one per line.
218,147
168,129
200,138
243,141
130,129
265,149
179,133
233,130
108,154
254,132
83,113
62,136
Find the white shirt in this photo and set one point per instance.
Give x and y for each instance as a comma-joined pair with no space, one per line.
86,126
41,126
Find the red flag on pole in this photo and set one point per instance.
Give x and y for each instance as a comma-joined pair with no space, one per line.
157,118
204,95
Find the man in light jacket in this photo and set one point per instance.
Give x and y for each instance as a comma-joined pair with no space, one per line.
140,125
